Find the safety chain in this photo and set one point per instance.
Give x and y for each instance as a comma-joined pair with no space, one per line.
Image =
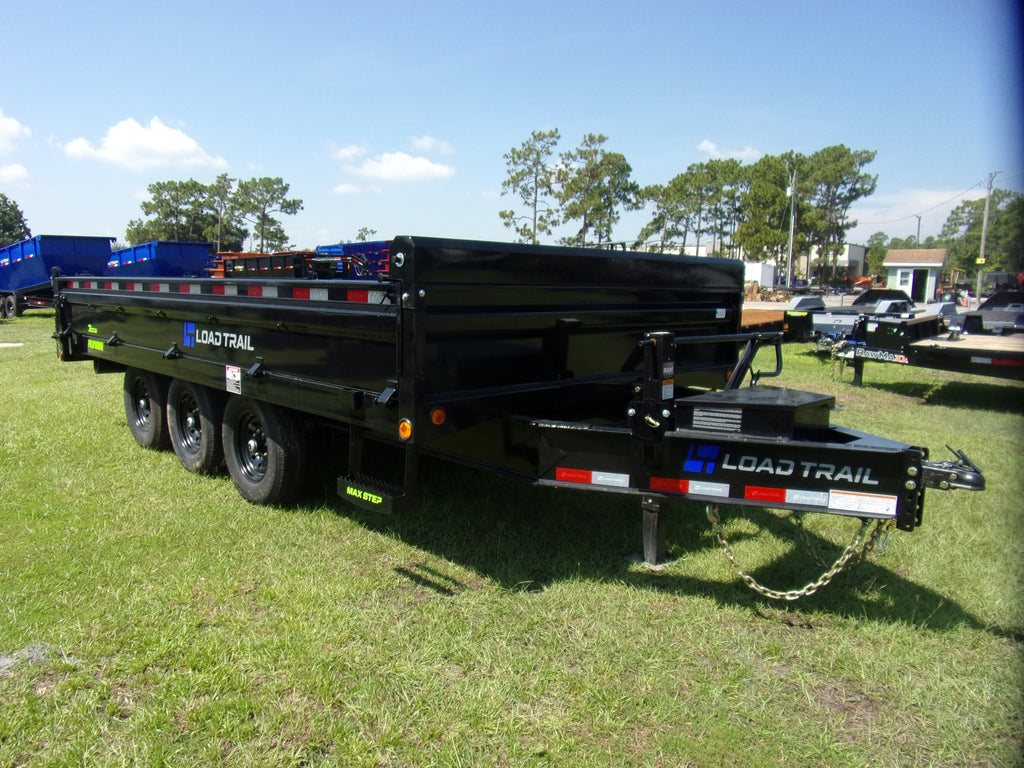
836,346
856,551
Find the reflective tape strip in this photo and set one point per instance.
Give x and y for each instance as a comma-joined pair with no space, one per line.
701,488
670,485
996,361
696,487
312,294
266,291
588,477
365,297
786,496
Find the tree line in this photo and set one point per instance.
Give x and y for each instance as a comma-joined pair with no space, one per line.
189,211
741,208
219,213
753,209
962,233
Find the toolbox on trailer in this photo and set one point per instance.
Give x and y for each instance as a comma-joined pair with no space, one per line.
568,367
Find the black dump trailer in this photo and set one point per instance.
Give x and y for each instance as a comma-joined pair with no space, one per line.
567,367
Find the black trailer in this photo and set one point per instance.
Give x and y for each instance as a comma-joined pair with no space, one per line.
566,367
929,342
835,324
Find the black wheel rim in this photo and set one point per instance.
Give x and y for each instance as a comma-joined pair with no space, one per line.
251,449
190,423
141,409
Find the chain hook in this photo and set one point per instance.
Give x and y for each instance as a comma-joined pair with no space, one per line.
856,550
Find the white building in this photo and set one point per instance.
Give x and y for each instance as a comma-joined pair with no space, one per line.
917,271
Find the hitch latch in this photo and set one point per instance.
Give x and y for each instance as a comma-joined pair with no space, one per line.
962,474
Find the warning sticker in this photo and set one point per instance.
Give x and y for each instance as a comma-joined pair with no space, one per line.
872,504
233,379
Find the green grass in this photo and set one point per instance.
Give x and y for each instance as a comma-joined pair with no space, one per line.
152,617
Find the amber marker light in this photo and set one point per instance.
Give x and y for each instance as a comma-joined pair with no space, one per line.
405,429
438,417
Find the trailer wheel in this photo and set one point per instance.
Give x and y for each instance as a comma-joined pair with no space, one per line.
8,307
194,424
145,396
264,450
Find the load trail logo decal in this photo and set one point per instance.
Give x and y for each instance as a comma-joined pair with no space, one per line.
707,459
193,334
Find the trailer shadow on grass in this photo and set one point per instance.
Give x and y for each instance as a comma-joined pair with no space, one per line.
526,538
973,395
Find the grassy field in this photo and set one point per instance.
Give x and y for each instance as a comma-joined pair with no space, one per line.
152,617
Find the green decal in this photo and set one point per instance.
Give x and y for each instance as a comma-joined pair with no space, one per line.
93,328
364,495
95,344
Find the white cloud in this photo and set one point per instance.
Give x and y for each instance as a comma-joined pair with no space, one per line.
10,131
12,173
432,145
349,152
399,166
139,147
347,189
747,155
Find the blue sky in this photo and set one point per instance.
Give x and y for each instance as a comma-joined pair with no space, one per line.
396,115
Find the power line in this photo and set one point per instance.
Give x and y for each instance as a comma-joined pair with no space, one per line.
944,202
921,213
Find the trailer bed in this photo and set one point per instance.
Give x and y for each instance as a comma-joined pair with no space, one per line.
926,342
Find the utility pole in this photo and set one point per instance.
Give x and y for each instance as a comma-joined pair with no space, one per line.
984,233
792,227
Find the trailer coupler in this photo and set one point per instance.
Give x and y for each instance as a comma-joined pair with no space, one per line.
962,474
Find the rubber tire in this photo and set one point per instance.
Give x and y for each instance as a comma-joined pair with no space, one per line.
264,449
8,306
194,416
145,403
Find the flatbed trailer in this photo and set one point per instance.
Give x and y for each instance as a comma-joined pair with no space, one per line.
565,367
928,342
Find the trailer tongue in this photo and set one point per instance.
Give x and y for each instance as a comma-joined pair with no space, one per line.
574,368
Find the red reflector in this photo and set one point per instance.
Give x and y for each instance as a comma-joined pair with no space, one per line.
1005,361
360,296
668,484
300,293
108,286
255,290
564,475
758,493
218,289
